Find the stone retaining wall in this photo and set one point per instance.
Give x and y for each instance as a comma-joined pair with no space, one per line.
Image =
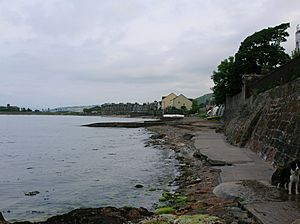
268,123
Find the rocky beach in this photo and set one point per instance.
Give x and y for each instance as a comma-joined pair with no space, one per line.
202,177
223,180
199,174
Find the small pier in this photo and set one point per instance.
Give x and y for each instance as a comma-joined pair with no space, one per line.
140,124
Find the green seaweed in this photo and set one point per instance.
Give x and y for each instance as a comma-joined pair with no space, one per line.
164,210
161,219
185,219
152,189
175,200
162,199
198,219
180,199
166,197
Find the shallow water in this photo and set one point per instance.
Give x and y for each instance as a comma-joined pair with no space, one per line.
74,166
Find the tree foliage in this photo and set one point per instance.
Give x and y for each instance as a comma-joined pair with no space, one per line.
195,107
295,53
259,53
226,80
174,110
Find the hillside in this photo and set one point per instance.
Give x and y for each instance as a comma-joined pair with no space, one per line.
204,98
71,108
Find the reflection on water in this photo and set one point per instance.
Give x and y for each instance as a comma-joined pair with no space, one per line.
73,166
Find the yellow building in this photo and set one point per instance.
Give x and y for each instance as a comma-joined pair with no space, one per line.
167,101
172,100
181,101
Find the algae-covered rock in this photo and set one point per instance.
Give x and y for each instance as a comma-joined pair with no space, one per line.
2,220
161,219
180,199
166,197
103,215
164,210
185,219
173,199
152,189
199,219
162,199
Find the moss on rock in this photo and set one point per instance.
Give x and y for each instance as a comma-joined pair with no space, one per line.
199,219
164,210
175,200
185,219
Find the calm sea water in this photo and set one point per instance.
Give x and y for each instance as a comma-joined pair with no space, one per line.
74,166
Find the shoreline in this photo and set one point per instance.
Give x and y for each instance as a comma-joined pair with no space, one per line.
198,177
196,181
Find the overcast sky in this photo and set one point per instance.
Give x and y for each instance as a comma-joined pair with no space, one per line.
82,52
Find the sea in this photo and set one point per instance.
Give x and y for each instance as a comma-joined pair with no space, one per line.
50,165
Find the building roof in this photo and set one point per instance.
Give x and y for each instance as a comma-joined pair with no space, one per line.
168,95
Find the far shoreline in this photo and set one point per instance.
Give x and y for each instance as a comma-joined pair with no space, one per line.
76,114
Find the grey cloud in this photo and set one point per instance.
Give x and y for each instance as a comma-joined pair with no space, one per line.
60,52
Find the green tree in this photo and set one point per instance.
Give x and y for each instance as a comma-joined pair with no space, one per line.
295,53
227,81
174,110
261,52
195,107
86,110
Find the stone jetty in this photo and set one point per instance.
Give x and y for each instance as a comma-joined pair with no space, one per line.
127,124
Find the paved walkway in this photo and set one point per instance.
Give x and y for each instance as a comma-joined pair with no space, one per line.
248,178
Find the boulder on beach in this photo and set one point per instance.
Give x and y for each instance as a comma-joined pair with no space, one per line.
158,136
100,215
2,220
188,136
104,215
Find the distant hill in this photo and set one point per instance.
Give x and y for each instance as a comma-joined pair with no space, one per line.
204,98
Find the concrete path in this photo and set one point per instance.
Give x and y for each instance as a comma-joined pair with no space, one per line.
214,146
248,178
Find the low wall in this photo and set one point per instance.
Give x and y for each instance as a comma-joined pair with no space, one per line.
284,74
268,123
